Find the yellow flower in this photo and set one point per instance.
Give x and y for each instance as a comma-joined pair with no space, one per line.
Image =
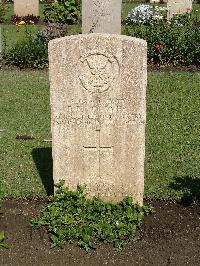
31,22
21,23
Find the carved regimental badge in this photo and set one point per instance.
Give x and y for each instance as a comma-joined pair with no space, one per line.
98,71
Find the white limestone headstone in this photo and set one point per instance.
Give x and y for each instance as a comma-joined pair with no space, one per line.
98,96
26,7
178,7
101,16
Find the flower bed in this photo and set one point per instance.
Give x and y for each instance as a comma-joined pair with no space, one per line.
175,42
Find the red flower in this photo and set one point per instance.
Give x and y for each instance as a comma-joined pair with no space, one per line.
158,46
122,237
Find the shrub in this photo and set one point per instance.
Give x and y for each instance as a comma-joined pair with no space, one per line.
62,11
2,12
52,31
30,52
176,42
146,15
71,217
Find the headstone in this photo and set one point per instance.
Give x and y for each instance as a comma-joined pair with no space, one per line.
26,7
178,7
98,92
101,16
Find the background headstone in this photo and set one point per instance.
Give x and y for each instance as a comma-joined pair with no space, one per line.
101,16
98,95
178,7
26,7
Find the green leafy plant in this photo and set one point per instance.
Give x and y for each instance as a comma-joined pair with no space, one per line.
2,11
72,217
170,44
62,11
2,238
30,52
52,31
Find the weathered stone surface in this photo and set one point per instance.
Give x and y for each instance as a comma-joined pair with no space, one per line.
178,7
26,7
101,16
98,92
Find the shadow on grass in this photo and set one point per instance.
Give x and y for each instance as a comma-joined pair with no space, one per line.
192,187
44,163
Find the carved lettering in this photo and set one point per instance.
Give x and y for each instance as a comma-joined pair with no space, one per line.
88,113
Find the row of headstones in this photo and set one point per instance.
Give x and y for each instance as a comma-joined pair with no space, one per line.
93,8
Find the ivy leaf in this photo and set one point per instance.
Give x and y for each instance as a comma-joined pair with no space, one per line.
2,236
4,245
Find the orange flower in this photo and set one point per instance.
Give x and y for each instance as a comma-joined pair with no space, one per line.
158,46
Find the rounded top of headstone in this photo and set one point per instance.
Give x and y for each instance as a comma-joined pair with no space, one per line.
99,35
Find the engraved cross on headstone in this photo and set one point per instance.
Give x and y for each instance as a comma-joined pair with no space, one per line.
99,149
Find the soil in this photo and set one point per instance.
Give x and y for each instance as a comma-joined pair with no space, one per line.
170,236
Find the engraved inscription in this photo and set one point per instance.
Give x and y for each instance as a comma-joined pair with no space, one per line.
98,72
83,113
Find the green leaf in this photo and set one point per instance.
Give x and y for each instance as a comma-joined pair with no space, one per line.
2,236
4,245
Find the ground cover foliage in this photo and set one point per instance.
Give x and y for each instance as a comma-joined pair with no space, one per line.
71,217
172,168
2,238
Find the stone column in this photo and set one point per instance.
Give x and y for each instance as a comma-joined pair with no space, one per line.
101,16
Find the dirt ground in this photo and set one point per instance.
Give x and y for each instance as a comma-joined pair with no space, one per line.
170,236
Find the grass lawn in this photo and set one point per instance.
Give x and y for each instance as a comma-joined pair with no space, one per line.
12,34
172,135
